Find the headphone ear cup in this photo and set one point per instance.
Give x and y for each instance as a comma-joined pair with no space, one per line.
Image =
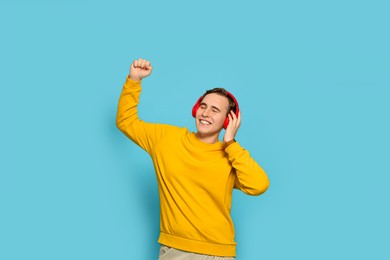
236,110
226,122
196,106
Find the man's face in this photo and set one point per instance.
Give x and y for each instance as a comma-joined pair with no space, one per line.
211,114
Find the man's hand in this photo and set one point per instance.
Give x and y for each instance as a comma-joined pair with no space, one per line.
232,128
140,69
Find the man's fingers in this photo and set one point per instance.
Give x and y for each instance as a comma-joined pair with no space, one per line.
137,63
141,64
234,120
148,65
230,117
233,114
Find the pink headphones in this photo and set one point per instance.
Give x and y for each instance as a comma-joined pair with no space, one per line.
226,122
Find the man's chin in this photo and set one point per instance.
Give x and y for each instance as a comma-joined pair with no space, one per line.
208,130
204,128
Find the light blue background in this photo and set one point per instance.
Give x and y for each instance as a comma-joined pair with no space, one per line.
312,78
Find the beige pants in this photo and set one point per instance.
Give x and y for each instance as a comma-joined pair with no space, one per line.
169,253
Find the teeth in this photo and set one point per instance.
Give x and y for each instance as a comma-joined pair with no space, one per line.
205,122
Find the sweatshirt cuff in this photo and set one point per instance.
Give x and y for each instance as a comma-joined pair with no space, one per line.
132,83
232,146
128,78
229,143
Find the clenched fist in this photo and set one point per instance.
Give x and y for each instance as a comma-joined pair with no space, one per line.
140,69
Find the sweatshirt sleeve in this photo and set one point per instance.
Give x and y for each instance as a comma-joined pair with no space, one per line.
142,133
251,178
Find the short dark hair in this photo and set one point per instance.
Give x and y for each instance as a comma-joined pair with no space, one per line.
222,92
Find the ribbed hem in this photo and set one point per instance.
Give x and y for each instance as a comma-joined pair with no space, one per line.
196,246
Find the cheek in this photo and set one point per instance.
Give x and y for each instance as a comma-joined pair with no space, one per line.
221,119
198,112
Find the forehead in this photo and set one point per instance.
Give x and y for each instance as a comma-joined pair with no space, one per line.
217,100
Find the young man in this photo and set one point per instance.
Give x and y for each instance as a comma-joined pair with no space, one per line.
196,173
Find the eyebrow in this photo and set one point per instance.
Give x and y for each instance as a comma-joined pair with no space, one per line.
219,110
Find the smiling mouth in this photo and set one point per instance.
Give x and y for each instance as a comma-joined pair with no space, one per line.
204,122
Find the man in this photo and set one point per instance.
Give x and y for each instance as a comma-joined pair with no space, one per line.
196,173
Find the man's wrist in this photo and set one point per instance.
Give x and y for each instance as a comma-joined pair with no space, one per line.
134,78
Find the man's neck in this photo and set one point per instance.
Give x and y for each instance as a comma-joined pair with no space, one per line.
207,139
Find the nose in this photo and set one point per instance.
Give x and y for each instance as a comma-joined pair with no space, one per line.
206,112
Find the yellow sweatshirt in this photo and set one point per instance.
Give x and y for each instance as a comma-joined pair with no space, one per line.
195,180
